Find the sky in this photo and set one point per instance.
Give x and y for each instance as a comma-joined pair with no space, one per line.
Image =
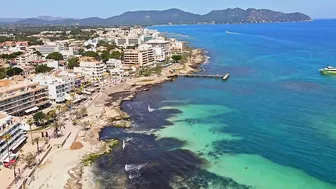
108,8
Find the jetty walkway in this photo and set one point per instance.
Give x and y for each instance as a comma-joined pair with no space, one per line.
217,76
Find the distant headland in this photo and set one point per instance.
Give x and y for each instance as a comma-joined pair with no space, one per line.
170,16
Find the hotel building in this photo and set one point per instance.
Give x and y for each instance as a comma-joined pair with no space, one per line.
92,70
19,98
58,88
142,56
159,43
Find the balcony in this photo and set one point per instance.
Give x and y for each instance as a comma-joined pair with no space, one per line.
16,110
19,99
9,128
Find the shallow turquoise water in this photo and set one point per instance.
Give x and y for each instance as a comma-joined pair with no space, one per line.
272,125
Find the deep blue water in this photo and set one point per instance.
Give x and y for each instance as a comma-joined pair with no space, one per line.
282,109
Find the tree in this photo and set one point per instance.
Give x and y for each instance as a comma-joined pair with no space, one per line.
73,62
39,117
34,41
65,107
56,129
89,46
13,71
91,54
101,43
68,104
80,51
59,110
36,141
74,122
55,56
52,114
105,55
42,68
116,55
38,53
84,125
30,122
82,112
176,58
11,56
80,89
30,159
76,114
2,73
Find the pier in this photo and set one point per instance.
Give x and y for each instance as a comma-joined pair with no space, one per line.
217,76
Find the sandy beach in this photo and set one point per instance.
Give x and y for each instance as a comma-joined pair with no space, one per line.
63,168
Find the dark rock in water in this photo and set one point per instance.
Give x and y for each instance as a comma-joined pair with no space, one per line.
204,179
109,170
142,161
145,162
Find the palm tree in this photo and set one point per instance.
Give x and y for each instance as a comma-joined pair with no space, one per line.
29,158
30,122
80,89
14,168
36,141
56,128
59,109
84,125
65,108
52,114
83,112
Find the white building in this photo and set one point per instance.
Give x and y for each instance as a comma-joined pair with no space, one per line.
92,70
159,54
52,64
26,58
160,43
10,126
67,53
58,46
59,88
92,42
115,67
175,45
129,41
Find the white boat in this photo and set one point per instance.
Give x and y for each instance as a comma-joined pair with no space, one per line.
328,70
150,109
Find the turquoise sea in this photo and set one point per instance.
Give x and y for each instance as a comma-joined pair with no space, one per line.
271,125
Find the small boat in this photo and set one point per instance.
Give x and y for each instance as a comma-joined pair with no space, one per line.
328,70
228,32
150,109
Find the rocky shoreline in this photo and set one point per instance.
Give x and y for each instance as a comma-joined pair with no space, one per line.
113,115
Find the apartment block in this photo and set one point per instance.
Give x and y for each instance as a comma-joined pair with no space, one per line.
92,70
12,127
19,98
142,56
159,43
58,89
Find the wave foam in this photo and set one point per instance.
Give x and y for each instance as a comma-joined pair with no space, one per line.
126,141
134,167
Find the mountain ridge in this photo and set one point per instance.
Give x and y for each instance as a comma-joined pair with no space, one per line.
171,16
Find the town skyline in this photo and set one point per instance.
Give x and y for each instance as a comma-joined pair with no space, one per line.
76,9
